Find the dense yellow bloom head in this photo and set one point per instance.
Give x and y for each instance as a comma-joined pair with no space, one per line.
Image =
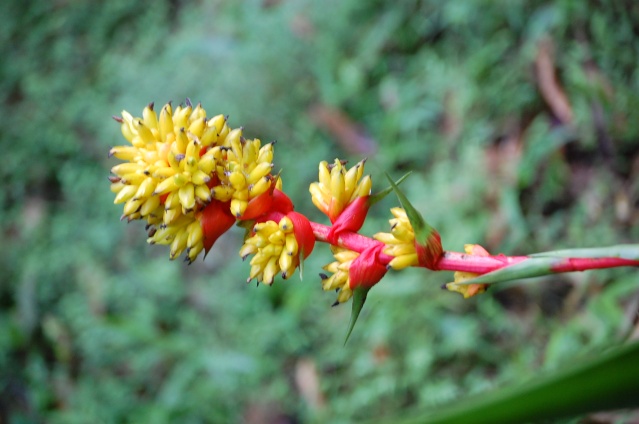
275,249
279,244
400,242
338,187
177,163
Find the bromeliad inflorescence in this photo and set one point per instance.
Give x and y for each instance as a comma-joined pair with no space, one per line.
192,177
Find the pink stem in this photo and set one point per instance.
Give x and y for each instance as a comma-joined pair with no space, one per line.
454,261
582,264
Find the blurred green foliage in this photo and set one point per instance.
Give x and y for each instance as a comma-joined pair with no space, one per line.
99,327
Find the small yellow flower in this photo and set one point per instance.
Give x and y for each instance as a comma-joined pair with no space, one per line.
275,248
339,280
183,234
338,187
468,290
243,170
400,242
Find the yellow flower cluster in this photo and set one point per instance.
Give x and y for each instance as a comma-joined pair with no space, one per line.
400,242
176,163
275,248
339,280
338,187
183,233
468,290
243,169
164,160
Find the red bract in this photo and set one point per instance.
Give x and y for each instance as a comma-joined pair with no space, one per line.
215,220
303,233
428,254
258,206
272,200
367,270
351,219
281,202
270,216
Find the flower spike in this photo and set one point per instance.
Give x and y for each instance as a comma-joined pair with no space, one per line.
190,178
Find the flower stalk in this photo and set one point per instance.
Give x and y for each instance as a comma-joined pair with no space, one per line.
191,178
459,261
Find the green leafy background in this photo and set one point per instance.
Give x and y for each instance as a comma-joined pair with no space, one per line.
98,327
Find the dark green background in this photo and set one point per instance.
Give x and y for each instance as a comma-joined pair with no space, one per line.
96,326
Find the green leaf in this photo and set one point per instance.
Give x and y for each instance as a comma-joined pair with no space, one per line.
532,267
608,382
623,251
381,194
421,228
359,298
301,267
543,263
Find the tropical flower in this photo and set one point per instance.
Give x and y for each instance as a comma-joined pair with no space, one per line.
339,280
338,187
352,270
180,169
166,166
400,242
278,245
243,172
468,290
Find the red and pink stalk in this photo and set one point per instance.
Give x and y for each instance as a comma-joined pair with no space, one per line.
455,261
215,220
